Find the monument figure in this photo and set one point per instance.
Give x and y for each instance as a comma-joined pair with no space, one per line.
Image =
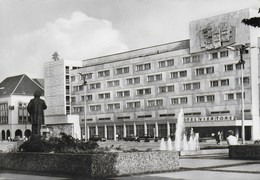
35,108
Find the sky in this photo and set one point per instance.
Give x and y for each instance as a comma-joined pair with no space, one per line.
32,30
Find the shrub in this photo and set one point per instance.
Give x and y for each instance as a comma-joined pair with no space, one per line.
35,144
64,143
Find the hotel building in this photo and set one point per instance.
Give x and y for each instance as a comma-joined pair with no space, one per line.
142,91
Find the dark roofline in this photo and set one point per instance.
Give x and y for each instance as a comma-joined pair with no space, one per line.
136,50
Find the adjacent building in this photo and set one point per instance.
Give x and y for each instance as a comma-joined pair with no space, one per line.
141,92
15,94
58,116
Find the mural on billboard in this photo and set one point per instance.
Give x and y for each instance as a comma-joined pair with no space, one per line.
214,36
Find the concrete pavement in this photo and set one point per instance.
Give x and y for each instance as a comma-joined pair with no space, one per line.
218,167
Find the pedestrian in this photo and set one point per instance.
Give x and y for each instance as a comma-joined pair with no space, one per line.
35,109
231,139
217,138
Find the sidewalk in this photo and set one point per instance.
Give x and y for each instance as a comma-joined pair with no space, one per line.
207,167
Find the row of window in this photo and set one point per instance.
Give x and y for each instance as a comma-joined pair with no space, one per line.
161,64
186,86
158,77
161,89
159,102
214,113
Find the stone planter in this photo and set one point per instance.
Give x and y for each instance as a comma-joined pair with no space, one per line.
244,152
93,165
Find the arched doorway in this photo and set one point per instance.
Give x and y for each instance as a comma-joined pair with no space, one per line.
8,134
27,133
18,134
3,134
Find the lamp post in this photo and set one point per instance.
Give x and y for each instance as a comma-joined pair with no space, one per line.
241,62
242,65
83,76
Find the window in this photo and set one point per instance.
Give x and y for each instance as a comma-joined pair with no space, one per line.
123,94
179,74
230,96
214,55
191,86
179,100
245,79
144,116
229,67
123,117
224,82
143,67
238,66
219,112
103,73
78,88
239,95
122,70
78,109
143,91
164,89
216,83
104,96
104,119
113,83
95,108
166,115
191,59
135,80
233,96
192,114
73,99
156,102
23,115
223,54
210,98
157,77
166,63
95,86
89,97
202,71
89,75
113,106
131,105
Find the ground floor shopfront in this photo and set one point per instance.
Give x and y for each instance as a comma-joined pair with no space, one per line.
161,129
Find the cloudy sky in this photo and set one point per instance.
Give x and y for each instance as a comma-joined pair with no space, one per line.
31,30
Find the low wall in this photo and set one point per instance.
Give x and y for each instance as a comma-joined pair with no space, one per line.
94,165
244,152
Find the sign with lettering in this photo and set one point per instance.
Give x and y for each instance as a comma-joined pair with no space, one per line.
215,36
210,118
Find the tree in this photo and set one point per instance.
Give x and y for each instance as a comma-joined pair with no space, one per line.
254,21
55,56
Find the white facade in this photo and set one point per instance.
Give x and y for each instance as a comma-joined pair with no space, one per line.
142,91
57,75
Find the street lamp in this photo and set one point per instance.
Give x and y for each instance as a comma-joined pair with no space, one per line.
241,62
83,76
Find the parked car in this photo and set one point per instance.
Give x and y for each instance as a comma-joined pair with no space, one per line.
97,138
146,138
131,138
